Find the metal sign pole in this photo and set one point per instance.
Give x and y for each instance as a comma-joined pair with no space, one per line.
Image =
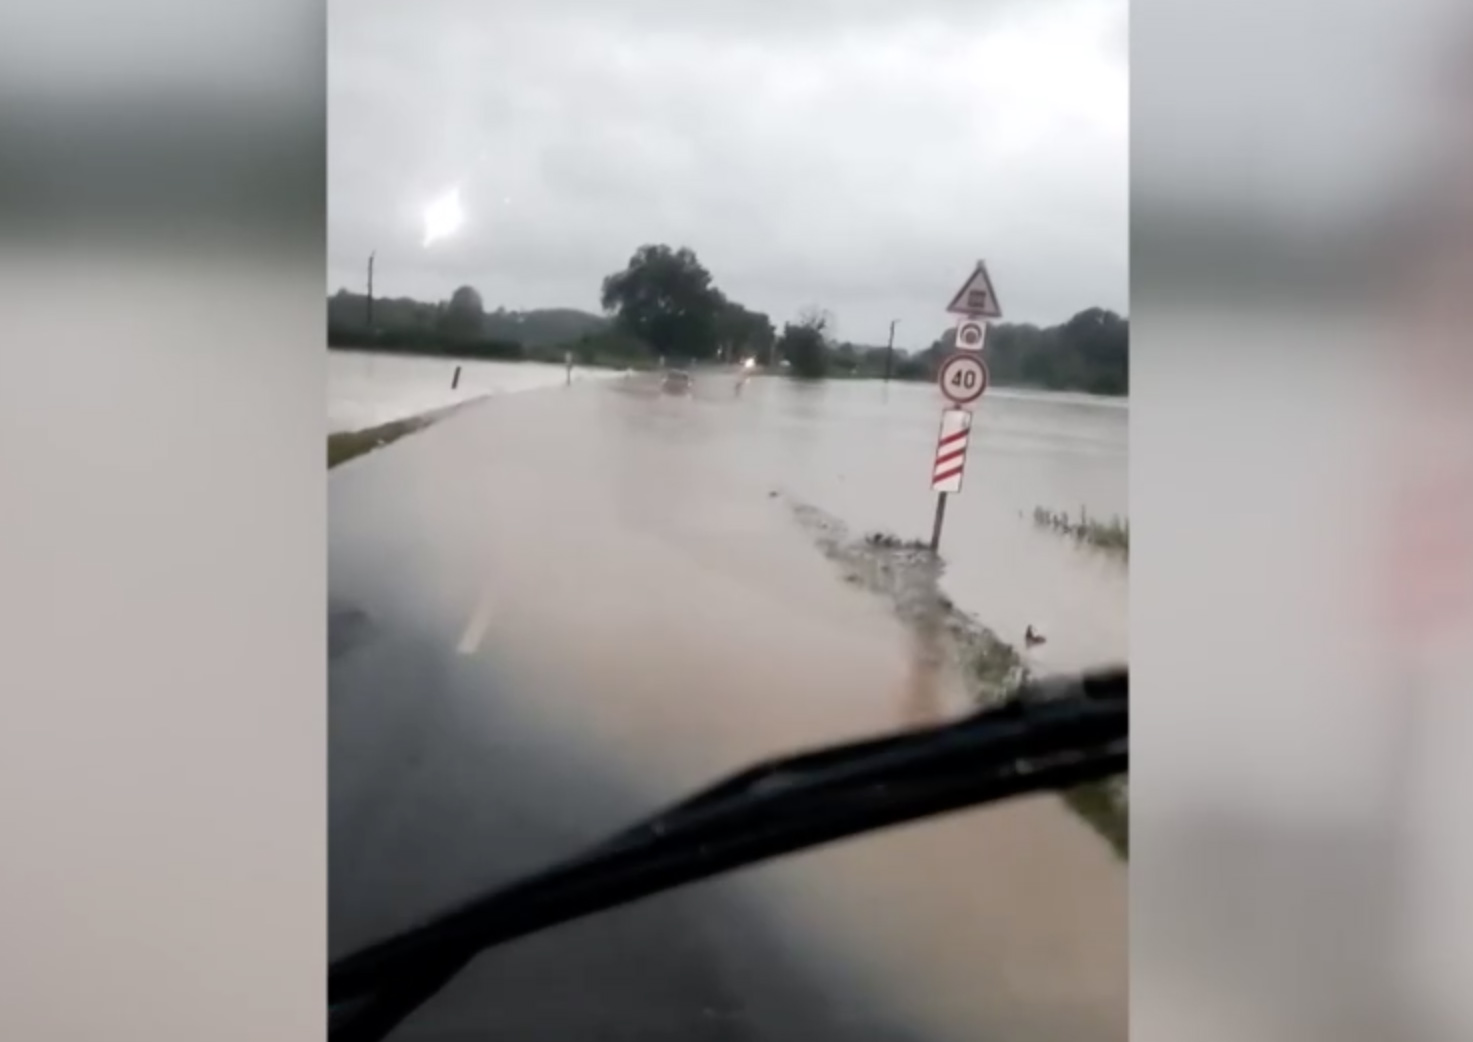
940,520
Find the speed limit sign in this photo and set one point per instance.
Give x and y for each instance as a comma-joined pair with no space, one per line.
963,378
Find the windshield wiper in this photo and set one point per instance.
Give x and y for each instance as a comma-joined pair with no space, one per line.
1051,735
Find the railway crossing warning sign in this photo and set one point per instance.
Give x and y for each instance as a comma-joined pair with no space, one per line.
976,298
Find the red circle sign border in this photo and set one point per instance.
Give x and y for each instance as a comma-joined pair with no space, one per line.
963,356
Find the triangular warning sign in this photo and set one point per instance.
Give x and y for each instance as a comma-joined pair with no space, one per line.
976,297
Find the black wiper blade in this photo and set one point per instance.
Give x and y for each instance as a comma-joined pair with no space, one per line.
1052,735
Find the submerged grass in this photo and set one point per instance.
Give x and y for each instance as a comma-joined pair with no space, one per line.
905,572
992,664
346,445
1105,807
1111,536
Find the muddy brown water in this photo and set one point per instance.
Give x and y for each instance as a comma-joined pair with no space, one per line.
633,566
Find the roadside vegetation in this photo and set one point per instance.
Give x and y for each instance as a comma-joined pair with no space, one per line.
1110,535
346,445
664,304
905,573
1105,806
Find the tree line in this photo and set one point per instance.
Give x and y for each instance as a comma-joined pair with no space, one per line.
665,306
460,326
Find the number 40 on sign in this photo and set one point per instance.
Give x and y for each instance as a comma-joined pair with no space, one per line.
963,378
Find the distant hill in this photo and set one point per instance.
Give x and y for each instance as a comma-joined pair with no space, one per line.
542,326
1089,353
402,320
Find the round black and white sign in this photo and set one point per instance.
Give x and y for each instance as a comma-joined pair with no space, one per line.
970,335
963,378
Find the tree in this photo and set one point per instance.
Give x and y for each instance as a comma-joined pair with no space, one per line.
805,344
743,333
1099,340
464,316
912,367
665,298
926,364
761,337
1090,352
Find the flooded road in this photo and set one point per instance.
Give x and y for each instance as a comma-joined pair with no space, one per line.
862,451
366,389
554,611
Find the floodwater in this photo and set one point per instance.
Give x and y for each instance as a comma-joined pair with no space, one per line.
368,389
615,584
861,450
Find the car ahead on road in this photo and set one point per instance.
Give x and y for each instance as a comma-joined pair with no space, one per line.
1051,735
677,381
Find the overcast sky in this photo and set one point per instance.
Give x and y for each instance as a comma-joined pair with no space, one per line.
854,155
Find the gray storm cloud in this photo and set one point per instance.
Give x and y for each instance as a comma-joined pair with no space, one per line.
855,156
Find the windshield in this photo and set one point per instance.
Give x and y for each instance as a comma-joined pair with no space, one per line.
498,711
1062,735
562,598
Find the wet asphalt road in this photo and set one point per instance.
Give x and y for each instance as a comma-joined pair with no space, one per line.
547,618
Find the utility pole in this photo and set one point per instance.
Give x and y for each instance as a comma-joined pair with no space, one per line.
370,290
890,351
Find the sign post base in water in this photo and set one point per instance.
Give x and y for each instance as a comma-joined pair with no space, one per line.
940,520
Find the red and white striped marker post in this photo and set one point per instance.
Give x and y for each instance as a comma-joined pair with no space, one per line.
949,463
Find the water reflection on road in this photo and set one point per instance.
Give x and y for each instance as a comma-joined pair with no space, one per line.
657,618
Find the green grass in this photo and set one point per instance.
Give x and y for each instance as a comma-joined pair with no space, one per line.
1103,806
1111,536
890,541
905,572
347,445
993,664
993,670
